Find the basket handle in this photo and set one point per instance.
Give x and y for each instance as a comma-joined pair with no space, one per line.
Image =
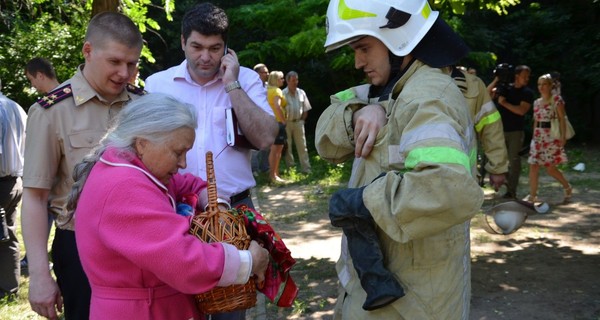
213,205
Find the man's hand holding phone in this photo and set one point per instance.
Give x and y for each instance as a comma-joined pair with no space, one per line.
230,66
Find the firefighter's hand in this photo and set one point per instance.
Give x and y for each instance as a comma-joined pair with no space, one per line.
497,180
367,122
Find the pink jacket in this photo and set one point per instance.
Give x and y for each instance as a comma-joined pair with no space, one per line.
136,251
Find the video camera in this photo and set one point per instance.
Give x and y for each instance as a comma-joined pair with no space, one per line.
506,75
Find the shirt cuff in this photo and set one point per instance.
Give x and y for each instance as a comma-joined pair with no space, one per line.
245,270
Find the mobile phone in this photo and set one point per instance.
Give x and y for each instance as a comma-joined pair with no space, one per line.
225,51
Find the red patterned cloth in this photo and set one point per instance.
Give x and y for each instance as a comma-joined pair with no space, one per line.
278,271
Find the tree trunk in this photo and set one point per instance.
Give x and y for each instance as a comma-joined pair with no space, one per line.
104,5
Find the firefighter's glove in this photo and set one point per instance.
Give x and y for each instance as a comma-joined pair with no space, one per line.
347,209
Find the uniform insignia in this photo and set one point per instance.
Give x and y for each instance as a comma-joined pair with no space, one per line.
55,96
135,90
460,80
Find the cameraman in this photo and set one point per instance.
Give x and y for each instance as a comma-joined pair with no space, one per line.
513,102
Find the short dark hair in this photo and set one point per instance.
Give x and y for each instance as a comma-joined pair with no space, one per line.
206,19
521,68
113,26
42,65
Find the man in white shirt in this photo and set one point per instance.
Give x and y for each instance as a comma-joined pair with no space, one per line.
297,111
12,147
212,80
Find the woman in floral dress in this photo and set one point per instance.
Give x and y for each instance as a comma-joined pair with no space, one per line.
545,150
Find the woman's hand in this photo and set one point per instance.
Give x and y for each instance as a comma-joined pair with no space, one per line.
562,141
260,260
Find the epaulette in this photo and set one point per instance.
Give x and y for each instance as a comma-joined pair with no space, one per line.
460,80
136,90
57,95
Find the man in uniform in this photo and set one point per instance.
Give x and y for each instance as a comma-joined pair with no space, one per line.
412,180
42,76
488,125
63,127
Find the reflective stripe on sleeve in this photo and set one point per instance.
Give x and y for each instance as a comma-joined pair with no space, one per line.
482,121
345,95
437,155
462,153
443,131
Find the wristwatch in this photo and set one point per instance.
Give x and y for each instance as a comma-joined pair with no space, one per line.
232,86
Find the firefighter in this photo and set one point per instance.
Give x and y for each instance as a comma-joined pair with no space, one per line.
412,181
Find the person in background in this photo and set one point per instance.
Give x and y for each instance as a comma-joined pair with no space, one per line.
212,80
487,124
140,232
513,103
263,72
41,75
412,192
260,158
278,104
545,150
12,147
62,128
296,112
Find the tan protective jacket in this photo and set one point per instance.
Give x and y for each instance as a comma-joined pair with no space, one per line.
487,121
423,215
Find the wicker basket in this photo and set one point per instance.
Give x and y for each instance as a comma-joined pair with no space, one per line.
222,226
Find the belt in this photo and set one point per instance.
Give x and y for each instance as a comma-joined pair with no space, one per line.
543,124
148,294
240,196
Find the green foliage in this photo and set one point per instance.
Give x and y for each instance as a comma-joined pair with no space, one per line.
500,7
30,39
55,30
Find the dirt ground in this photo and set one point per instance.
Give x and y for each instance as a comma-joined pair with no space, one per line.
548,269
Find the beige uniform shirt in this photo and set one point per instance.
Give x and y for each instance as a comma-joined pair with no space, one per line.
59,134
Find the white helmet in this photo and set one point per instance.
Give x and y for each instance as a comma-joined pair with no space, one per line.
403,26
399,24
507,217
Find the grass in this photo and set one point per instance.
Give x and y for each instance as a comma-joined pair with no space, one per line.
17,307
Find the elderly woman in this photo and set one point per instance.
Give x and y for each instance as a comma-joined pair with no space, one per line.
135,249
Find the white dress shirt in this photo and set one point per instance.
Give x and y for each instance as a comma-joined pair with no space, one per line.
12,137
233,171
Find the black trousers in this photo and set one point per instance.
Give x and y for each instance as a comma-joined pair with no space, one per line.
11,190
72,281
